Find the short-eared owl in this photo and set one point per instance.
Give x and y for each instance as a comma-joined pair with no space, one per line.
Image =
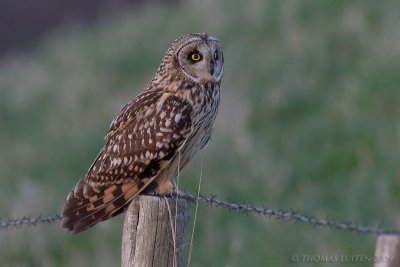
155,135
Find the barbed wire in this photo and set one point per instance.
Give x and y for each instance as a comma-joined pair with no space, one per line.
19,222
285,215
212,201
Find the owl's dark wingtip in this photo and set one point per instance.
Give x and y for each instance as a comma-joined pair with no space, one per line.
85,207
66,223
71,211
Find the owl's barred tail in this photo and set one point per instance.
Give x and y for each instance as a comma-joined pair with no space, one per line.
85,207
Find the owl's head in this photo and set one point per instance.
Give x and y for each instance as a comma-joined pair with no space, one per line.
199,57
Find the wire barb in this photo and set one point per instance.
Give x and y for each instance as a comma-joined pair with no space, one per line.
213,201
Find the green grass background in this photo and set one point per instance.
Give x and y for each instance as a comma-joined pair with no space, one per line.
309,121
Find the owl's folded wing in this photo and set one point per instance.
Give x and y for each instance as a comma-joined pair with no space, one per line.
142,141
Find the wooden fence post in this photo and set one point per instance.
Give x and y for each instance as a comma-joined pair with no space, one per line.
148,238
387,251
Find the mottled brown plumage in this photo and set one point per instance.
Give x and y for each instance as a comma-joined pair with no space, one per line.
155,135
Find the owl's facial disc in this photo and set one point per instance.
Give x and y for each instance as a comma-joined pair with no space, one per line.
202,60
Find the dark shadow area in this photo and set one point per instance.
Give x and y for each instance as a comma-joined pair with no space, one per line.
24,23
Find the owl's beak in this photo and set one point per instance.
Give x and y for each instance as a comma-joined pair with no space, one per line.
212,68
218,75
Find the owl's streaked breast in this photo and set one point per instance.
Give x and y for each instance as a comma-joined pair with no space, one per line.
206,110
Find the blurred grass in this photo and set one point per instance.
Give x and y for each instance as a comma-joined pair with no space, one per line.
309,121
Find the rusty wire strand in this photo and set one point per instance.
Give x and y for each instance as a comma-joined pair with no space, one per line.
32,221
212,201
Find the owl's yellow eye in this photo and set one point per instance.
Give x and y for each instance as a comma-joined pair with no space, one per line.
195,56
